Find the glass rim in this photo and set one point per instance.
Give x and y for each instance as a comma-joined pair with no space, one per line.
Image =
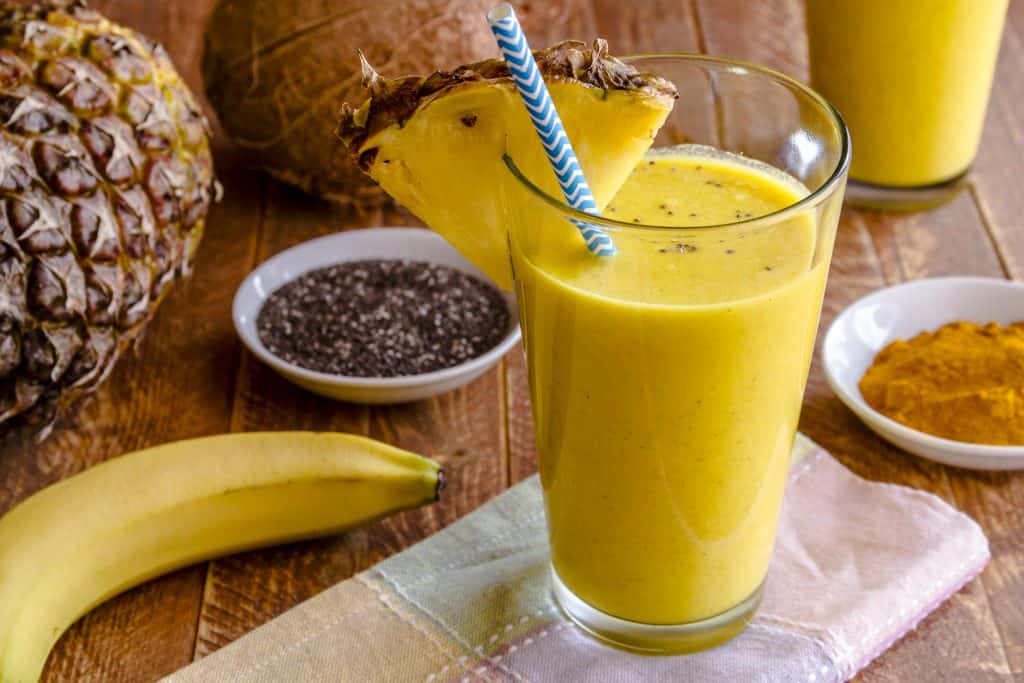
736,66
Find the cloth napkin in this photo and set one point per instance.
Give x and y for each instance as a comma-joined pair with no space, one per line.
857,564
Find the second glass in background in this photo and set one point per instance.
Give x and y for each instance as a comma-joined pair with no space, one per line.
912,80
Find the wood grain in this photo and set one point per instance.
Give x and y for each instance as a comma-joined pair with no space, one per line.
190,361
522,449
996,500
769,32
650,26
996,179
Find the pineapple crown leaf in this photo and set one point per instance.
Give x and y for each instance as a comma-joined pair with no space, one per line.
394,101
372,80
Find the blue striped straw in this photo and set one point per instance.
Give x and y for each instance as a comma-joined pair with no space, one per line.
526,75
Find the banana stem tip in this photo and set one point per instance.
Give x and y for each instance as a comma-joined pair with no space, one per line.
442,482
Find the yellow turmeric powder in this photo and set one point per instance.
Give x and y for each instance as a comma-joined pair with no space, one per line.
963,382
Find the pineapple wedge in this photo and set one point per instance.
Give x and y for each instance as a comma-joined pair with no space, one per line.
436,144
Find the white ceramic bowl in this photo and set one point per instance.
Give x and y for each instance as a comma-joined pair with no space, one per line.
392,243
901,312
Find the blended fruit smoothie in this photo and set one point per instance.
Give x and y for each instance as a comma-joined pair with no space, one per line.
911,79
667,383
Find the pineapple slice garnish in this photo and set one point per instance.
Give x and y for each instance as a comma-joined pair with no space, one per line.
436,144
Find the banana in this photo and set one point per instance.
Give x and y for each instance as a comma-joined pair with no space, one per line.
83,540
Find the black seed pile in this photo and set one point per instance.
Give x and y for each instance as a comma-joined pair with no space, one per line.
382,318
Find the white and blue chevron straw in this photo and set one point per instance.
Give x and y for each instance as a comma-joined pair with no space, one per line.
530,83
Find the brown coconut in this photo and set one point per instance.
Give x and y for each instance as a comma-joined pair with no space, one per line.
277,71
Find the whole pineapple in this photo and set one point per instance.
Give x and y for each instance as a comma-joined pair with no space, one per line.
105,182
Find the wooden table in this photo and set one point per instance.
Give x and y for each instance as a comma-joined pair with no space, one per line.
190,376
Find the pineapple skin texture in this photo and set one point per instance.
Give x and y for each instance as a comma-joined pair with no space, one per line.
81,541
106,178
450,174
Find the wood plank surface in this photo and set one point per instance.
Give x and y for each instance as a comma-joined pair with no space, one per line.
996,500
483,433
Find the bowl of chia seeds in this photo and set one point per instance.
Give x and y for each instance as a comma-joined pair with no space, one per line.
380,315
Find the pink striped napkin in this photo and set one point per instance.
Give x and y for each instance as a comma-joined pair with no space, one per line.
857,564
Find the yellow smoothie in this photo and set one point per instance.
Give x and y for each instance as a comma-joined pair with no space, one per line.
910,77
667,383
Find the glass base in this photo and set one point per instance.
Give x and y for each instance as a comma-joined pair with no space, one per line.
868,196
654,639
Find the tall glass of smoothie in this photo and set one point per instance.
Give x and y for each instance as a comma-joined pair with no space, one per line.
667,379
912,81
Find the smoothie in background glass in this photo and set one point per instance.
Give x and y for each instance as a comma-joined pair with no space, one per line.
912,80
666,380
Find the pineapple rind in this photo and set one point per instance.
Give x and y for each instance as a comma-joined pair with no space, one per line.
103,141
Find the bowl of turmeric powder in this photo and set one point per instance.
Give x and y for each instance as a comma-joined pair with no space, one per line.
936,367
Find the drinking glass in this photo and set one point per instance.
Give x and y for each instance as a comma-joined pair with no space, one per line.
912,81
666,386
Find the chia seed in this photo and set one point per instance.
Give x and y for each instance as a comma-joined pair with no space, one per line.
382,318
680,248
